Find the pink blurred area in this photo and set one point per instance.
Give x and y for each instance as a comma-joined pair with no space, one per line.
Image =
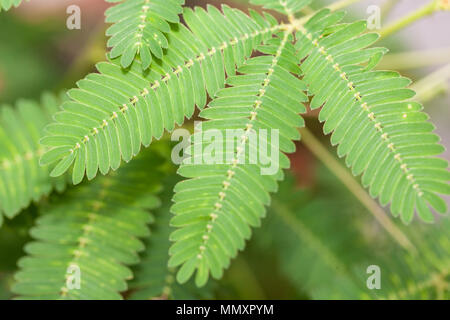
429,32
42,9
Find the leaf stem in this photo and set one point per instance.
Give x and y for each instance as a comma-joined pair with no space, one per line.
341,4
307,10
315,146
426,10
432,85
415,59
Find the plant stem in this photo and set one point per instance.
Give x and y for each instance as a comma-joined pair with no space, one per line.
414,59
307,10
432,85
431,7
341,4
305,234
314,145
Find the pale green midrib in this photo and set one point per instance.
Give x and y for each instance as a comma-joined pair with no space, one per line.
230,173
164,78
287,10
371,116
138,33
144,10
82,243
167,289
12,165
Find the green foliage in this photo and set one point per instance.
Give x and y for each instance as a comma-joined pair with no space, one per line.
95,227
22,180
8,4
381,132
152,278
215,208
140,27
112,113
327,255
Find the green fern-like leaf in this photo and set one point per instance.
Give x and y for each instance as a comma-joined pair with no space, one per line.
152,278
215,208
382,133
8,4
140,28
95,227
22,180
112,113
